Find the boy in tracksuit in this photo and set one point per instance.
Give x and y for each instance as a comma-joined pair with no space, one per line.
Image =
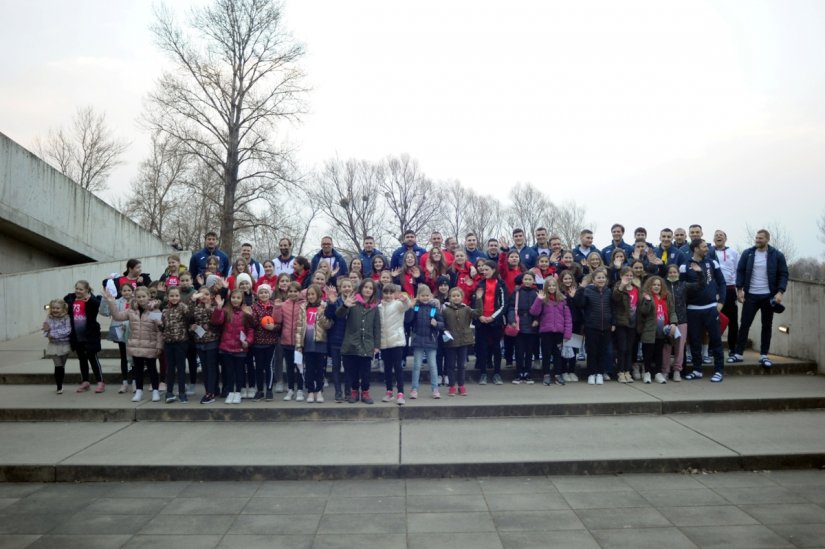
703,308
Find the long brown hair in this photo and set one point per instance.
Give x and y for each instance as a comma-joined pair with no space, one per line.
649,284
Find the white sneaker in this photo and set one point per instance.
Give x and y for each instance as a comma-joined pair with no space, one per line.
230,398
319,397
647,377
660,378
637,375
591,380
677,377
138,395
289,394
299,396
155,395
279,387
311,397
574,378
236,399
599,379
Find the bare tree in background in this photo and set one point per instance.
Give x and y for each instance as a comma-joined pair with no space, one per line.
820,224
780,239
349,195
85,152
454,212
412,198
570,220
530,209
160,185
235,79
484,214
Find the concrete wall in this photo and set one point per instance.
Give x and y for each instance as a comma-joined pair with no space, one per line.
19,256
42,208
23,295
804,315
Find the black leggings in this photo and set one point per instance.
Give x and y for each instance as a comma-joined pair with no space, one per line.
86,358
151,365
124,361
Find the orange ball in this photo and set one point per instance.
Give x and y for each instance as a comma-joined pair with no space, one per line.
267,321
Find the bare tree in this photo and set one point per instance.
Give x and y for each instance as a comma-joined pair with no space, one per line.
484,214
85,152
530,209
235,78
570,220
820,224
348,195
412,198
160,185
780,239
454,208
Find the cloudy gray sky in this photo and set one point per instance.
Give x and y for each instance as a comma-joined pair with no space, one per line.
648,112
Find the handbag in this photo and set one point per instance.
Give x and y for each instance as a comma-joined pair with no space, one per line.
510,330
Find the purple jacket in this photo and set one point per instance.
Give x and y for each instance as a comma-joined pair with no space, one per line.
554,316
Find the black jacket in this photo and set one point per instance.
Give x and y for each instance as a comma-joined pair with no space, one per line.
92,342
777,270
499,305
597,306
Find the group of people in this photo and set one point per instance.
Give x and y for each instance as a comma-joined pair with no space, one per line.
627,309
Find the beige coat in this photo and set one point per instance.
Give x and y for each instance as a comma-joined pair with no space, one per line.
145,335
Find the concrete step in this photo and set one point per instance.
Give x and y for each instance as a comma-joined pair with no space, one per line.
735,394
392,448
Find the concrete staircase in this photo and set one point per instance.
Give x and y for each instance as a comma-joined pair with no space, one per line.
750,421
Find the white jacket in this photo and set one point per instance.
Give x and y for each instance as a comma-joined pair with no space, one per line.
392,323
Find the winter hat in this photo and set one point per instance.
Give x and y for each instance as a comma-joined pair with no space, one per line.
442,280
211,280
266,287
241,278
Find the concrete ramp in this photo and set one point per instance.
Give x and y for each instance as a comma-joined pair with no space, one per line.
47,220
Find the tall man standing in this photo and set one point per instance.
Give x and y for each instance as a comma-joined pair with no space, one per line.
728,259
197,263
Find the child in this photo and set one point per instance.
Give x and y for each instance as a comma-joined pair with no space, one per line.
409,275
520,315
458,319
462,275
266,338
238,268
656,311
269,277
393,339
311,341
290,311
176,344
236,338
679,289
425,323
212,269
85,336
335,335
569,288
174,270
279,295
205,337
118,331
626,294
434,268
187,295
58,328
596,302
442,294
378,266
555,327
244,284
490,306
362,336
145,338
543,270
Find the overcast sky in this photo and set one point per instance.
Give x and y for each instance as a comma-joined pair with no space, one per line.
650,113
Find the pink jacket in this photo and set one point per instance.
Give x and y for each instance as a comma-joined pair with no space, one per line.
290,313
554,316
232,329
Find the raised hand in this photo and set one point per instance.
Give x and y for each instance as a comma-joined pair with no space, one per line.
541,295
219,300
415,272
349,302
647,297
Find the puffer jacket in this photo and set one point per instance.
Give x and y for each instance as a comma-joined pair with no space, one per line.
238,323
262,335
145,335
597,306
419,319
458,321
554,316
290,312
335,334
392,323
526,297
202,316
363,329
322,324
646,325
176,323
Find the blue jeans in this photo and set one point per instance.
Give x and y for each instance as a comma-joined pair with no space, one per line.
418,358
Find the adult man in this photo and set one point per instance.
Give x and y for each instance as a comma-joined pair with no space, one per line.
493,250
526,253
585,246
641,234
451,245
695,232
680,241
728,259
256,270
666,253
284,262
703,306
437,241
367,253
617,232
556,251
337,263
761,281
471,248
197,263
409,244
541,247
